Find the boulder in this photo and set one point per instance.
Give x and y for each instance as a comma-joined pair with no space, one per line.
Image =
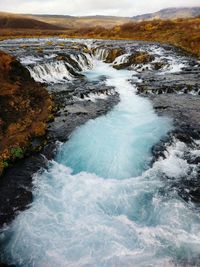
135,59
113,54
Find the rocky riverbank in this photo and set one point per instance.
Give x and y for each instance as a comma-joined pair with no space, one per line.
25,108
71,110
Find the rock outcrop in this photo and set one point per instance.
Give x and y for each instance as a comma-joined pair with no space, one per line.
136,58
113,54
25,107
108,54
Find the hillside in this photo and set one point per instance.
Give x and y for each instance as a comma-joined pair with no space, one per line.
12,21
82,22
111,21
27,105
170,13
58,22
184,33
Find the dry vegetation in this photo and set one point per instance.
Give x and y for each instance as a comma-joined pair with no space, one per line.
83,22
184,33
25,107
13,21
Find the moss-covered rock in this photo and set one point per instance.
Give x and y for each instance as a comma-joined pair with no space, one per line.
159,65
25,107
113,54
135,59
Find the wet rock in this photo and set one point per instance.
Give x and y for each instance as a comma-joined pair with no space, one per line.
135,59
113,54
159,65
184,109
108,53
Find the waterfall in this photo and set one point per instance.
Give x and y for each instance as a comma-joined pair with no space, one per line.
121,59
83,60
101,53
59,71
53,72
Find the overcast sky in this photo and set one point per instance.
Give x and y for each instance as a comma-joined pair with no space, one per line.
92,7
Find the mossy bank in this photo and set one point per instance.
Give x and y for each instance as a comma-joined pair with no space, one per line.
25,108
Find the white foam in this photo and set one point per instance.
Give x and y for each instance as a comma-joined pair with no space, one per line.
94,96
101,53
121,59
30,60
52,72
85,220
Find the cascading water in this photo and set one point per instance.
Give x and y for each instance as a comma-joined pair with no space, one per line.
57,71
101,53
53,72
100,204
117,145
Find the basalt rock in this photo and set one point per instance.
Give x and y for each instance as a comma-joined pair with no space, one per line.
159,65
135,59
109,54
113,54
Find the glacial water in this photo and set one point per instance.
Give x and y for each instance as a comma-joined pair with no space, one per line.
100,204
119,144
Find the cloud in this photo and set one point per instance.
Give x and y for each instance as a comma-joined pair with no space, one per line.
91,7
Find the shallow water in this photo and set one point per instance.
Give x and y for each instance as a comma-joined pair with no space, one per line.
100,204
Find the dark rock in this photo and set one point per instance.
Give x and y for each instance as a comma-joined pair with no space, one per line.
135,59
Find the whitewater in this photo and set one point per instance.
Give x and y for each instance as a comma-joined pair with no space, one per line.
101,203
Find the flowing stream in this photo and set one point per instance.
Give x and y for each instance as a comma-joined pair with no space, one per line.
100,204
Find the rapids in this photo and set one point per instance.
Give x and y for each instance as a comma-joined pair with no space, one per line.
101,203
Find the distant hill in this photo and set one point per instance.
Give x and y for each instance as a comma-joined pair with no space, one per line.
13,21
82,21
111,21
64,22
170,13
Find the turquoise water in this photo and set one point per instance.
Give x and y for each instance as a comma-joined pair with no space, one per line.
100,204
119,144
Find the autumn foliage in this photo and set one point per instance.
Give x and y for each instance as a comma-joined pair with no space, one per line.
184,33
24,109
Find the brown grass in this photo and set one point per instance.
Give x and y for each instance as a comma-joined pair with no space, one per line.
184,33
25,107
14,21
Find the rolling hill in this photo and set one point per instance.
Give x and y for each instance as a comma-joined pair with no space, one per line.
13,21
81,22
170,13
111,21
61,22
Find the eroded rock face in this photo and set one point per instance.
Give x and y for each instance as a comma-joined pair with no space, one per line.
113,54
108,54
136,58
25,107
